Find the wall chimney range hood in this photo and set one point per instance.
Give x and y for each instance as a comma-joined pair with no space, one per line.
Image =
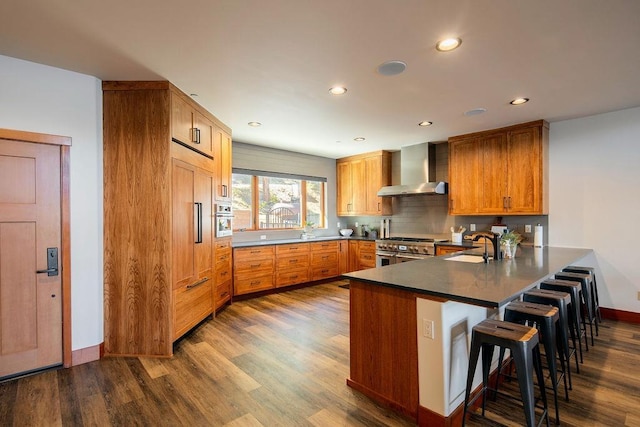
417,173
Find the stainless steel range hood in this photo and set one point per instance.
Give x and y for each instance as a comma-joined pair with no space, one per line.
417,173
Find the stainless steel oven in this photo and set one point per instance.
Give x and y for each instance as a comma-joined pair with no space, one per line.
395,250
385,258
224,220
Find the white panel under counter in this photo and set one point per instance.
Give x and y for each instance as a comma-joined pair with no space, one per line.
443,360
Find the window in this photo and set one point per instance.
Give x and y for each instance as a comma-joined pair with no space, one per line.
267,201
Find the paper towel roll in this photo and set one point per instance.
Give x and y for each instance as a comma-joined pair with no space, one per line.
537,237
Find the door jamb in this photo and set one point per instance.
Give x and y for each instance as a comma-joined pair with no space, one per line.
65,147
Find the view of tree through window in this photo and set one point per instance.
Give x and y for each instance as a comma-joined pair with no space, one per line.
282,202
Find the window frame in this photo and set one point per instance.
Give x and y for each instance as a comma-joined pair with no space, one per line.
255,176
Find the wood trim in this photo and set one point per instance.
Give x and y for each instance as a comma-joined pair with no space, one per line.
379,153
86,355
39,138
65,184
505,129
65,218
382,400
136,85
621,315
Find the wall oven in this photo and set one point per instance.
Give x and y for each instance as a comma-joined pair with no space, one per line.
224,220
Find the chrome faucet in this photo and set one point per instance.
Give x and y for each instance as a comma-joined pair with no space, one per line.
494,240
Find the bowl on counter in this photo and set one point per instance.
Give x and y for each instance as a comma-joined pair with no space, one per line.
346,232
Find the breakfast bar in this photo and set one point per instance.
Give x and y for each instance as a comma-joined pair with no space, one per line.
410,324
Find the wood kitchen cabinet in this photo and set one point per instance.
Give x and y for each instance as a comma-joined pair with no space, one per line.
358,180
159,272
500,172
324,259
222,157
362,254
253,269
224,272
190,125
343,256
292,264
444,250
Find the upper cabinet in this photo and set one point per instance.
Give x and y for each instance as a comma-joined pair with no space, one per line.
358,180
189,126
500,172
222,157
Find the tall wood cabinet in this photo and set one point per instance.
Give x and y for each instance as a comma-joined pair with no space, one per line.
159,272
358,180
500,172
222,157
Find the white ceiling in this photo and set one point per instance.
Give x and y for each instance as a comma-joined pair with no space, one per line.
273,61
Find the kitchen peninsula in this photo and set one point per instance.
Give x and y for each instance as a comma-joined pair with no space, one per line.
410,325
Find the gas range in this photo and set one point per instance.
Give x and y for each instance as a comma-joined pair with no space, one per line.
407,247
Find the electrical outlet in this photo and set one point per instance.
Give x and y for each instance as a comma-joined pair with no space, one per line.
527,228
338,225
638,296
427,328
472,227
263,237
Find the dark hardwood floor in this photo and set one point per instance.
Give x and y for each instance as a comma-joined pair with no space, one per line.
282,360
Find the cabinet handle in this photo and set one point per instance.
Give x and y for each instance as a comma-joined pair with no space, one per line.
255,282
224,294
293,277
195,135
504,203
509,202
198,213
256,265
379,207
198,283
224,273
293,260
325,257
225,192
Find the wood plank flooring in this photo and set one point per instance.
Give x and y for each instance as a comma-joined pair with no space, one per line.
282,360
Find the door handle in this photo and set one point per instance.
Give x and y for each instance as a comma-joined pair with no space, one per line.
52,263
198,207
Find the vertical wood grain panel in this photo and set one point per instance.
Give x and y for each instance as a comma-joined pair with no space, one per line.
137,221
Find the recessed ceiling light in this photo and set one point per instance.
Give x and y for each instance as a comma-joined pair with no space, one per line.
254,124
338,90
447,45
424,124
519,101
359,138
475,111
391,68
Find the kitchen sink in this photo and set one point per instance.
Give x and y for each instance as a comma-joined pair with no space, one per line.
476,259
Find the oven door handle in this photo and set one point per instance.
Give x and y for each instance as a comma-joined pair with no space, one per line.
413,256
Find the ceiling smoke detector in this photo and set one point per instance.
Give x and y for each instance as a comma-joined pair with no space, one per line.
391,68
475,111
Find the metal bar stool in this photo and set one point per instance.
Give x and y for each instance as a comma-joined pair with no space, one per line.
574,289
587,306
595,299
545,318
562,300
522,341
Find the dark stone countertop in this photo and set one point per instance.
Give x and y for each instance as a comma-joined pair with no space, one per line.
489,285
287,241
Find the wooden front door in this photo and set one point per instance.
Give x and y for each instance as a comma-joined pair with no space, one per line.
30,238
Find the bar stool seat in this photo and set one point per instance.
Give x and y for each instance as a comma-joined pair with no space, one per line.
595,299
587,305
522,341
574,289
545,318
561,300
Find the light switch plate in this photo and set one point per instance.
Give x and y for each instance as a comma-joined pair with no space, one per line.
427,328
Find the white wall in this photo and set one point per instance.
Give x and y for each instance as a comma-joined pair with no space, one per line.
595,198
38,98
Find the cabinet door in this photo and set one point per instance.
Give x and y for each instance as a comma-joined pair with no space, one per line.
192,224
524,179
343,257
354,255
181,120
358,186
344,194
204,133
376,176
222,157
465,165
493,182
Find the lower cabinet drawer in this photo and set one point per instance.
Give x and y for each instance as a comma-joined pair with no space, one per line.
190,307
246,283
292,276
222,293
324,272
223,273
367,260
324,258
